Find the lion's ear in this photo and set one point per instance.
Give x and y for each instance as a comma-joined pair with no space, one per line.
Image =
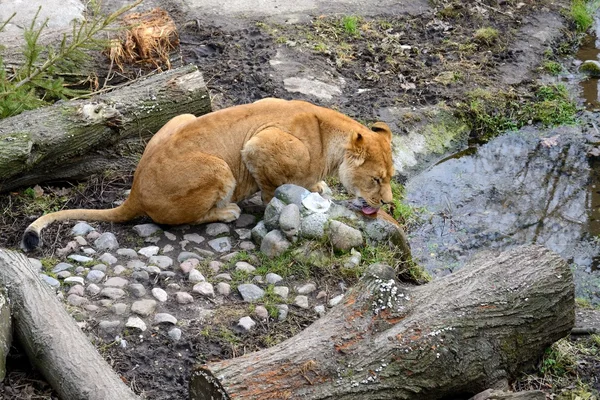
356,149
382,128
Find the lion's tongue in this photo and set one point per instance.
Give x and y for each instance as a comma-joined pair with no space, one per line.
369,210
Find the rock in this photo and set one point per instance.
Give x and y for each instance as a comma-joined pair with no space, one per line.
63,274
220,245
95,276
160,295
143,307
136,323
149,251
81,228
289,220
184,298
162,262
246,323
194,238
88,251
320,310
216,229
93,235
112,293
204,289
244,267
494,394
244,234
74,280
186,255
223,288
141,276
77,289
119,269
250,292
354,260
258,279
321,295
272,212
230,256
109,326
274,244
301,301
136,265
173,286
162,318
100,267
61,267
379,230
170,236
245,220
282,312
590,67
145,230
108,258
175,334
344,237
247,245
306,289
127,253
93,289
189,265
224,277
168,248
153,269
336,300
80,241
204,252
107,241
261,313
68,249
281,291
116,281
196,276
80,259
120,308
315,203
76,300
313,226
137,289
259,232
215,266
291,194
36,264
273,278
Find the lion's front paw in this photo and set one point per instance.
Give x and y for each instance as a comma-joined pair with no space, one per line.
229,213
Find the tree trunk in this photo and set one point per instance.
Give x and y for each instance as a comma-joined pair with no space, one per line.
457,335
52,340
73,139
5,333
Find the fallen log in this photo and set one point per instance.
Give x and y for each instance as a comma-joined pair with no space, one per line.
53,342
457,335
74,139
5,333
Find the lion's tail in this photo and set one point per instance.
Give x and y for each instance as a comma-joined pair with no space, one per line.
124,212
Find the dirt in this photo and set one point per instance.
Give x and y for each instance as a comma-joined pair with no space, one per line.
393,61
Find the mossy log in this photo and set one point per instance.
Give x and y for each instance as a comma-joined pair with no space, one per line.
455,336
51,338
73,139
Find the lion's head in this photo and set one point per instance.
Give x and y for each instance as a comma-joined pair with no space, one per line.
367,169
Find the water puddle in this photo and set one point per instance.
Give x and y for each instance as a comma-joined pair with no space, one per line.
589,50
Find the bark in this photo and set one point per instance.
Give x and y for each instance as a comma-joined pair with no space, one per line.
457,335
5,333
71,140
52,340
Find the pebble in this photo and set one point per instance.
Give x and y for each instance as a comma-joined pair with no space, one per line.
80,259
77,289
168,248
160,295
282,312
220,245
74,280
63,274
301,301
136,265
250,292
143,307
170,236
95,276
194,238
281,291
141,276
145,230
99,267
88,251
184,298
244,267
116,281
109,326
189,265
215,266
149,251
36,264
61,267
321,295
216,229
320,309
175,334
261,313
161,318
196,276
223,288
93,289
246,323
274,244
243,234
76,300
336,300
247,245
137,323
127,253
93,235
80,240
173,286
137,289
107,241
204,289
112,293
245,220
230,256
273,278
306,289
163,262
119,269
186,255
108,258
120,308
153,269
82,228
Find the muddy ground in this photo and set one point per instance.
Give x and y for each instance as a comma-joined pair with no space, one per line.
399,60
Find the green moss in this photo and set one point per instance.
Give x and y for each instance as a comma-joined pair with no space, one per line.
486,35
582,14
552,67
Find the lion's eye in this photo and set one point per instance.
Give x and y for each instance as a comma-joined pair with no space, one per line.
377,180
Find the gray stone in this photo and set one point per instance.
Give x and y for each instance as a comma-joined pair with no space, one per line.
204,252
149,251
109,326
223,288
63,274
61,267
220,245
272,212
336,300
216,229
163,262
93,235
320,309
291,194
273,278
137,289
127,253
274,244
244,267
173,286
261,313
91,307
168,248
282,311
354,260
136,265
88,251
250,292
71,247
259,232
204,289
175,334
74,280
167,274
170,236
590,67
160,295
100,267
184,298
120,308
230,256
81,228
79,258
36,264
244,233
164,318
301,301
95,276
112,293
247,245
245,220
246,323
312,87
196,276
289,220
313,226
153,269
281,291
76,300
315,203
145,230
224,277
189,265
215,266
107,241
321,295
116,281
258,279
194,238
186,255
136,323
143,307
77,289
344,237
80,240
306,289
378,230
108,258
105,303
93,289
141,276
80,270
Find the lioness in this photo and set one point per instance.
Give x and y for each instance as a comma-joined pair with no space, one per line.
195,169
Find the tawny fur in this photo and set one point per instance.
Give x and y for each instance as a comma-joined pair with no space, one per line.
195,169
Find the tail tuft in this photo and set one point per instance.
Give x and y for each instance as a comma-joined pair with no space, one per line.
31,240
